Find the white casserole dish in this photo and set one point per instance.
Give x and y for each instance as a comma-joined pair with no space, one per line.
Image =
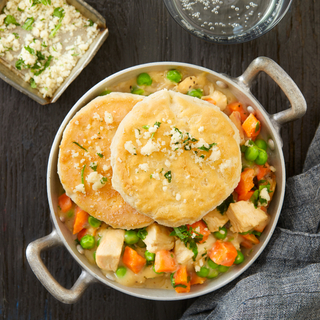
240,87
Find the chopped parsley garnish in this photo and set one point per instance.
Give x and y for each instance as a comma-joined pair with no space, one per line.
142,233
28,24
79,145
40,56
93,166
46,65
103,180
157,124
21,64
257,127
207,149
10,20
33,83
225,204
58,12
75,54
189,237
16,35
202,156
30,50
146,127
100,155
82,174
44,2
20,10
168,176
90,23
43,44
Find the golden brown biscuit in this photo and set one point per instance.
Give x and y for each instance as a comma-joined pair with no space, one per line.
85,147
175,158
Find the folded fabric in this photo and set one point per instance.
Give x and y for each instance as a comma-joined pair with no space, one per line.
284,282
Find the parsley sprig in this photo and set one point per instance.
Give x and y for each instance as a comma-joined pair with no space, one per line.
189,237
207,149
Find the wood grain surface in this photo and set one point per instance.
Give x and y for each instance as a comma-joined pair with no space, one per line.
140,31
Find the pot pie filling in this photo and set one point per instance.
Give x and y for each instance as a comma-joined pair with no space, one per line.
177,258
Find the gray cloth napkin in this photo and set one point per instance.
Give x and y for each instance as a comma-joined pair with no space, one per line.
284,282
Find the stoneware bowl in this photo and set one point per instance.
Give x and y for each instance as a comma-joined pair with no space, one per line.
271,123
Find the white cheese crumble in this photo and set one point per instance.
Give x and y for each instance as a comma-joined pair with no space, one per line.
201,129
96,116
215,154
149,148
80,188
137,134
129,146
265,195
226,164
156,176
178,197
167,163
144,167
108,118
96,179
105,167
165,188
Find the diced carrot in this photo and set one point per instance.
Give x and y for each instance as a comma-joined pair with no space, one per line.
82,233
181,280
260,227
165,261
237,106
210,100
251,126
223,253
246,196
262,170
247,244
65,203
251,237
195,279
81,218
246,182
133,260
200,227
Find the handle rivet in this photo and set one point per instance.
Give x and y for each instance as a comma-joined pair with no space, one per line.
221,84
271,144
251,110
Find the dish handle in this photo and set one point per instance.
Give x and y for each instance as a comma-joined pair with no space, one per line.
62,294
282,79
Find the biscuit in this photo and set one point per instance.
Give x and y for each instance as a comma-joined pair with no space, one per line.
175,158
84,156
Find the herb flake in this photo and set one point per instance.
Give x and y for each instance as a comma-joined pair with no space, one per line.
79,145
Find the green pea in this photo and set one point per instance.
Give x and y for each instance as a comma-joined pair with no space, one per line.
95,223
212,264
87,242
141,244
149,256
221,234
223,268
104,92
131,237
262,157
213,273
204,271
144,79
261,144
197,93
239,258
136,90
121,272
251,153
174,76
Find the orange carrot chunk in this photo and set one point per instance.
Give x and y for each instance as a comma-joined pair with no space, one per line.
223,253
246,182
165,261
195,279
251,126
81,219
182,284
237,106
200,227
245,197
251,237
82,233
133,260
65,203
246,243
262,171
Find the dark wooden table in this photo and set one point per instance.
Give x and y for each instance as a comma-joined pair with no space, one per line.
140,31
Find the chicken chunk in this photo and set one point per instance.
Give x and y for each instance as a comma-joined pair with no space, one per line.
203,248
158,238
192,82
220,99
236,119
215,219
182,253
109,250
244,216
